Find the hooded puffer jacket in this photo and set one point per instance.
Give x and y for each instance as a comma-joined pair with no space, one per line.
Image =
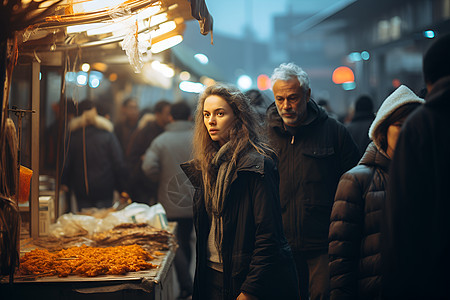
354,237
356,217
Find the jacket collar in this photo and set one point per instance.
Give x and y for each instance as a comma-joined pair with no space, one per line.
373,157
250,162
315,114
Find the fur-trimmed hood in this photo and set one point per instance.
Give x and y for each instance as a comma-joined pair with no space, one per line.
401,96
145,119
91,118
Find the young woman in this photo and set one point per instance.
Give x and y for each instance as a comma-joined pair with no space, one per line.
354,237
241,249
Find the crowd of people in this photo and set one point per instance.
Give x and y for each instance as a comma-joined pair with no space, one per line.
286,201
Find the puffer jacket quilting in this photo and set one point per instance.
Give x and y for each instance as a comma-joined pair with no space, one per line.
355,229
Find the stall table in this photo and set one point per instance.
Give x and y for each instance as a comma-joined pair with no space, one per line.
153,284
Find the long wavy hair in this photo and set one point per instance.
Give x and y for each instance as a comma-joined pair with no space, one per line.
246,132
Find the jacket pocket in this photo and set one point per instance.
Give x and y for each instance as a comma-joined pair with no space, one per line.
318,152
319,173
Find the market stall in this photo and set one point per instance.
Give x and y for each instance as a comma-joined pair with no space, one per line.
152,283
103,251
55,33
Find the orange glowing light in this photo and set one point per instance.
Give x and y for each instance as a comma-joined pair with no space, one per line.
396,83
342,75
113,77
263,82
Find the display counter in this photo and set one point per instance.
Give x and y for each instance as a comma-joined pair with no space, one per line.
156,283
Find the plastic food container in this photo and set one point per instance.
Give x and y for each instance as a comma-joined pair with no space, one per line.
24,183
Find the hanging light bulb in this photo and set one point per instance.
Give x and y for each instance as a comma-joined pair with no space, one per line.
164,28
166,44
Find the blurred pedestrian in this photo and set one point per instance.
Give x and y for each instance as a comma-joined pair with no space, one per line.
361,121
314,150
259,103
356,218
140,188
417,224
94,165
103,107
125,127
241,249
326,106
62,117
162,165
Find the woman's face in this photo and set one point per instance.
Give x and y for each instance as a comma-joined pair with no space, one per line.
218,118
392,136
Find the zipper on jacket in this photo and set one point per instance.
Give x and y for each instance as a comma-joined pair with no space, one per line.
292,140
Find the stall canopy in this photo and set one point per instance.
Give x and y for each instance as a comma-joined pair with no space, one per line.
50,30
142,27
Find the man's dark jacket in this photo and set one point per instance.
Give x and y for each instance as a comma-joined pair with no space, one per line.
417,243
355,229
256,256
310,163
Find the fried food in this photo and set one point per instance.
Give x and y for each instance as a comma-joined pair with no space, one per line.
86,261
128,233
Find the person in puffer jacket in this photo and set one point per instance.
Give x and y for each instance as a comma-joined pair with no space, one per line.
356,217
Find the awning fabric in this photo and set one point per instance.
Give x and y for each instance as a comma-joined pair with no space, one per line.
200,12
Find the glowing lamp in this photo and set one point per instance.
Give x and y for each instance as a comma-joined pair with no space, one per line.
263,82
113,77
191,87
166,44
342,75
396,83
244,82
85,67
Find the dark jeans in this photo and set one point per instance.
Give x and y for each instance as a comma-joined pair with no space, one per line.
183,255
213,289
313,275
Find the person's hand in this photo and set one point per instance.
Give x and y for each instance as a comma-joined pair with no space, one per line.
246,296
64,188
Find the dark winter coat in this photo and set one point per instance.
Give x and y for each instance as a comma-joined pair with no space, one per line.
124,132
355,229
359,129
103,165
256,256
417,208
310,165
140,188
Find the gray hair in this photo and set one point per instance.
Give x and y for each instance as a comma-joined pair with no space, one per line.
287,71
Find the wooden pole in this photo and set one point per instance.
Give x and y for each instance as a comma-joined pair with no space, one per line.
3,50
34,203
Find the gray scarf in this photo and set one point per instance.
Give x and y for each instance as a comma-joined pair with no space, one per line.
224,165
